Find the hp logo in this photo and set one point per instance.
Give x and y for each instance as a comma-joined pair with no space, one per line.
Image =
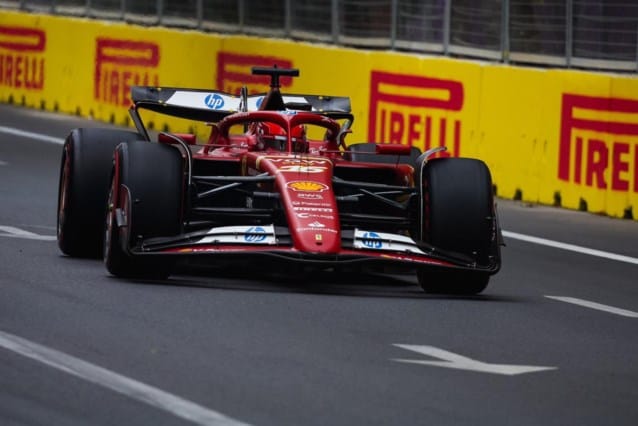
255,234
372,240
214,101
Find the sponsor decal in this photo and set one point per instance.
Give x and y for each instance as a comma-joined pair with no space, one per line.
598,144
122,63
309,196
255,234
234,71
310,203
314,215
372,240
415,110
295,161
307,186
316,224
302,169
214,101
313,209
22,63
240,234
313,229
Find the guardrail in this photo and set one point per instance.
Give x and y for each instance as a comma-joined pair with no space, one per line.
590,34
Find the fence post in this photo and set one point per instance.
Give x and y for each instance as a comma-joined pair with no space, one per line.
505,31
335,21
241,13
569,32
200,13
394,15
447,21
287,17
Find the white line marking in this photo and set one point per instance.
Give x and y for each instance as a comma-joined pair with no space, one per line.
12,232
31,135
459,362
597,306
571,247
100,376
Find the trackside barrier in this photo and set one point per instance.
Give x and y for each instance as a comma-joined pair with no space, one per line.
557,137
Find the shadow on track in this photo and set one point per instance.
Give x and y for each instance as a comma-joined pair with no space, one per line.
319,282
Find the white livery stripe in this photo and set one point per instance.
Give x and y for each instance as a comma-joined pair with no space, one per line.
594,305
131,388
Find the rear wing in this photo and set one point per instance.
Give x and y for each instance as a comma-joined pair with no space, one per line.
212,105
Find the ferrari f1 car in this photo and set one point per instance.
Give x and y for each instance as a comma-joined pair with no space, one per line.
274,181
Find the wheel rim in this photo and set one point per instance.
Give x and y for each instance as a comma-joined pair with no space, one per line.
64,194
109,224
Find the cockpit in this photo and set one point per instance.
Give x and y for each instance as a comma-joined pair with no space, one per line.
272,137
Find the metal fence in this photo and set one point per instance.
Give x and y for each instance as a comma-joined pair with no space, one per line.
591,34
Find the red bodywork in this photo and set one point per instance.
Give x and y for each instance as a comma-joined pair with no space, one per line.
275,190
303,181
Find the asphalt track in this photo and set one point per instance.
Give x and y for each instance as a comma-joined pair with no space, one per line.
78,347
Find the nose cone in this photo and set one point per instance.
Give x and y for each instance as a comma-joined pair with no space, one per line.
305,186
312,212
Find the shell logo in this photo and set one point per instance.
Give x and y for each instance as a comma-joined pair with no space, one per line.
307,186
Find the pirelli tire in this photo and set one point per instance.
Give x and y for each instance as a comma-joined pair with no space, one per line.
86,163
458,217
146,193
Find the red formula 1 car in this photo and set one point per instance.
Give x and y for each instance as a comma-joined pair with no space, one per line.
275,181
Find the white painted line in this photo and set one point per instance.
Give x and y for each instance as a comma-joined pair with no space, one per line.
131,388
13,232
31,135
597,306
571,247
459,362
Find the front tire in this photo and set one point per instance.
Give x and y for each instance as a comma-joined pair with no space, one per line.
147,194
458,216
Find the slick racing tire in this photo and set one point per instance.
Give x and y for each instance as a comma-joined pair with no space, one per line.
458,217
146,193
87,159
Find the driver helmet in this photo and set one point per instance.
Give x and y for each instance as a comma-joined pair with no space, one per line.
273,136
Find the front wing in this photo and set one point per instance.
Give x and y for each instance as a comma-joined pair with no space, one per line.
269,242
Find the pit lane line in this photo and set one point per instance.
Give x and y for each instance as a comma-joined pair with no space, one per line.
116,382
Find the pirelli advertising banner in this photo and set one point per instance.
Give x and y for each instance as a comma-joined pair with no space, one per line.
558,137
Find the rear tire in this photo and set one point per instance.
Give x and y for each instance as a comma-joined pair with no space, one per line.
87,159
457,216
147,188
